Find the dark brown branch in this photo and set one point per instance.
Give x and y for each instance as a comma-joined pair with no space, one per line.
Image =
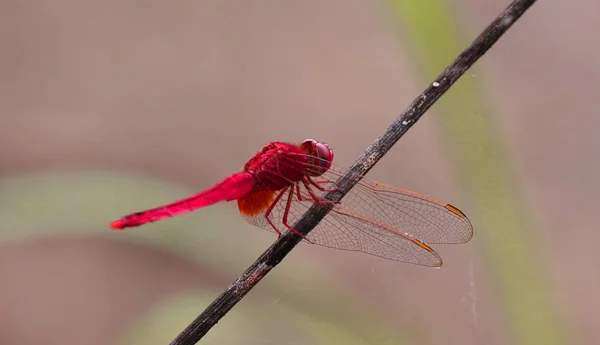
272,256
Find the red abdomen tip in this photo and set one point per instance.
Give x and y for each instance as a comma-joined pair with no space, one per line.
118,224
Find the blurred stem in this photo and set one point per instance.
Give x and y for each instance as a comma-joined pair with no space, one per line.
499,221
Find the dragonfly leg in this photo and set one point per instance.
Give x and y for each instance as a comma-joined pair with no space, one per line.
287,211
268,212
299,194
316,184
312,194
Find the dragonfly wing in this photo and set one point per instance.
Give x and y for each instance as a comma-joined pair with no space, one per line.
425,218
373,218
340,229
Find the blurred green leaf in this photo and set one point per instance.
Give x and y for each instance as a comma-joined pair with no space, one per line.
487,175
249,323
74,202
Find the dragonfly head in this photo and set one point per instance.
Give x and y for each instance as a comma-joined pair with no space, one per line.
319,157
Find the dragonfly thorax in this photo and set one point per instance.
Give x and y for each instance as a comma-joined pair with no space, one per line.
277,165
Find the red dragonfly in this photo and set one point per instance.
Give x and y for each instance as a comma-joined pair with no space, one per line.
283,180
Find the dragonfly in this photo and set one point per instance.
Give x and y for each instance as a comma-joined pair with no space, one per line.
283,180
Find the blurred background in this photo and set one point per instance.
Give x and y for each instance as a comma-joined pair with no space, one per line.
113,107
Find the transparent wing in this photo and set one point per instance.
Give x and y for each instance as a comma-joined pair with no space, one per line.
425,218
372,218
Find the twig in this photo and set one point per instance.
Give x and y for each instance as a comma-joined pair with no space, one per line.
272,256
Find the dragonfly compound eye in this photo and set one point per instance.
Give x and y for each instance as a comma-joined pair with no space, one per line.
320,157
